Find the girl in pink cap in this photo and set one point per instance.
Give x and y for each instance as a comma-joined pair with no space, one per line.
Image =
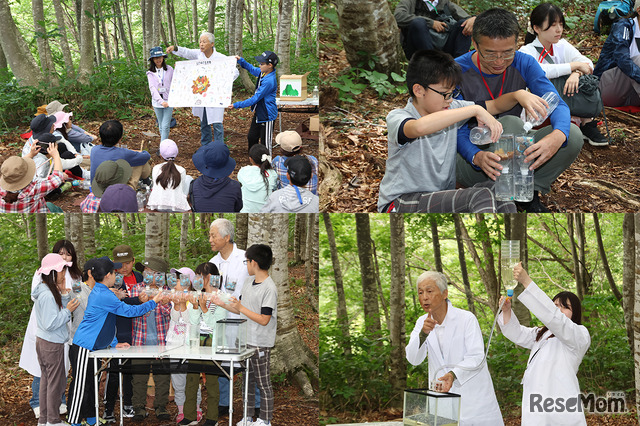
170,182
53,308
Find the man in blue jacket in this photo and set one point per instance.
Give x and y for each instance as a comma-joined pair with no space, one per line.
619,64
493,69
97,331
263,101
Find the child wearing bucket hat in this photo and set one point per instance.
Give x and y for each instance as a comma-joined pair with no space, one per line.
170,182
19,192
108,173
263,101
294,198
53,307
159,76
215,191
290,144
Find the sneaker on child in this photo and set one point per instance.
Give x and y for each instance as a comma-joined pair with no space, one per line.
592,134
249,422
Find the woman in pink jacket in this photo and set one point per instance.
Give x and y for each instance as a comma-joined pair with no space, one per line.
159,76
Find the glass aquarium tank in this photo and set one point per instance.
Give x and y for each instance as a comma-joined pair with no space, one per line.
424,407
231,336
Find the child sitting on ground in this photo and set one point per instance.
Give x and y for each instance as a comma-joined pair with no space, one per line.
420,172
291,144
258,180
294,198
170,182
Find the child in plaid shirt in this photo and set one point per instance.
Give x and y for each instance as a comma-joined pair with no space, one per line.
19,192
151,329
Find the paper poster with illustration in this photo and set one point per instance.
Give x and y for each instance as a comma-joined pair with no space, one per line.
202,83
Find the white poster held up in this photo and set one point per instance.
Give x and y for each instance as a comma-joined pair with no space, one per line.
203,83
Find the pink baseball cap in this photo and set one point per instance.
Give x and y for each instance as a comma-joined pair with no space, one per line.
168,149
52,261
61,118
186,271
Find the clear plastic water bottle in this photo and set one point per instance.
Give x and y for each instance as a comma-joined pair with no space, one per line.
552,100
504,186
480,135
315,94
523,177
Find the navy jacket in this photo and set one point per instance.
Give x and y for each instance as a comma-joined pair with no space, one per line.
216,195
615,52
263,101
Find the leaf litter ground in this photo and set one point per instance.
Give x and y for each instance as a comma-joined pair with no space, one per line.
600,179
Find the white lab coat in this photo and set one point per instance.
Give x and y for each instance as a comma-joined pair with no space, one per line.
553,363
214,114
461,345
28,356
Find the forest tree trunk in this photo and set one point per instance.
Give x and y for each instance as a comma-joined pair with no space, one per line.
398,366
85,67
371,28
367,276
629,275
16,50
153,241
64,41
343,316
283,42
42,235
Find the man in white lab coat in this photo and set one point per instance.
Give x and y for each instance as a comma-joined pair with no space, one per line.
452,340
210,116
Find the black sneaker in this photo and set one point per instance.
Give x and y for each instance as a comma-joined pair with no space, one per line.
187,422
210,423
108,416
592,134
533,206
223,410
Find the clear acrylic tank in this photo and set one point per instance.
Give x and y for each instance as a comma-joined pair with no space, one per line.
231,336
424,407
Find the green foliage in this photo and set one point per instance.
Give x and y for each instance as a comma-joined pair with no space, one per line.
364,76
358,380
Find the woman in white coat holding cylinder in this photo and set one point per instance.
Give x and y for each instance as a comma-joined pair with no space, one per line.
550,388
452,340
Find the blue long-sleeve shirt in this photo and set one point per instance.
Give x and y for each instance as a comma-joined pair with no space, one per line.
101,153
615,52
523,73
98,327
264,97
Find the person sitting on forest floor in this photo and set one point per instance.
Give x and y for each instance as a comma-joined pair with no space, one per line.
619,63
294,198
291,144
215,191
108,173
110,134
439,24
420,173
19,192
494,68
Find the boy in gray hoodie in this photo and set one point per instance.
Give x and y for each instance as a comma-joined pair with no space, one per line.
294,198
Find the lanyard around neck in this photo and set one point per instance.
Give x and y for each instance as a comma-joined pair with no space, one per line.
544,53
485,83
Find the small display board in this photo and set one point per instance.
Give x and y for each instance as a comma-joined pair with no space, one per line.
293,87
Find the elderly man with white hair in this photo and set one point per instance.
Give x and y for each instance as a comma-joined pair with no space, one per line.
210,116
230,262
452,340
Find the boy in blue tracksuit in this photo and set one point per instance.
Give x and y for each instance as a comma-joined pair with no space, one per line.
263,101
97,331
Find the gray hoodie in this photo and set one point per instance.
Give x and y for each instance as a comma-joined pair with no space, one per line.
286,200
51,320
